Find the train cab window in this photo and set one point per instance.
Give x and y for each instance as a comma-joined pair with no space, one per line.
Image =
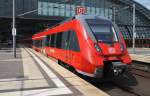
103,30
59,40
73,41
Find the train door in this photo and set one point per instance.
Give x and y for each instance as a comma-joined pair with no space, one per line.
71,46
68,51
73,54
44,41
65,46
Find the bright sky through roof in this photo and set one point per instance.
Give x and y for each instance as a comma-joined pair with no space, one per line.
146,3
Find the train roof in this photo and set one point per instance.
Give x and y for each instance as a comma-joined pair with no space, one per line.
77,17
83,17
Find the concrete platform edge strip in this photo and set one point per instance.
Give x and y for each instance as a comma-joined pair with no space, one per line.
54,78
86,84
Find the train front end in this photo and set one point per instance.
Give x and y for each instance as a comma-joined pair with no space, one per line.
109,54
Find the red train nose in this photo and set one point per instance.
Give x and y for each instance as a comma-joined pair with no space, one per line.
113,49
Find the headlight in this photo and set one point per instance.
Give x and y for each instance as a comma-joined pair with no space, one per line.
97,47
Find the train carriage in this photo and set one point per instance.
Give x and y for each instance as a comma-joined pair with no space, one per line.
92,45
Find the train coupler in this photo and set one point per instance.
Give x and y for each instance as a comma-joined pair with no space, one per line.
118,68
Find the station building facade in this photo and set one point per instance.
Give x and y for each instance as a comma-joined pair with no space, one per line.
119,11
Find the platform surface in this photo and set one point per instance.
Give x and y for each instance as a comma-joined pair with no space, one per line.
33,74
140,54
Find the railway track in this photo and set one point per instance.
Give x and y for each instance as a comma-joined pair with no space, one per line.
141,66
141,69
118,87
141,72
128,90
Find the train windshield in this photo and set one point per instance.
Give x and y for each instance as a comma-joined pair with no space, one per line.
103,30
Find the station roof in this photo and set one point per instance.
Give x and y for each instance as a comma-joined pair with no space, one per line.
139,7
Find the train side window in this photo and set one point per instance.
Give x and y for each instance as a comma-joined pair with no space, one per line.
37,43
59,40
33,42
64,43
73,41
52,42
55,40
49,41
46,41
68,39
40,43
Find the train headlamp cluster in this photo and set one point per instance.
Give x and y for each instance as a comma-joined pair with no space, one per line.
98,49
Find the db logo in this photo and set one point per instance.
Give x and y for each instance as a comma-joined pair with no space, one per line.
80,10
112,50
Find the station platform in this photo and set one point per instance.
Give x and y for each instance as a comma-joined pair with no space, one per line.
33,74
140,54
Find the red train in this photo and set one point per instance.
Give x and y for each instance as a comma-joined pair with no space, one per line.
92,45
